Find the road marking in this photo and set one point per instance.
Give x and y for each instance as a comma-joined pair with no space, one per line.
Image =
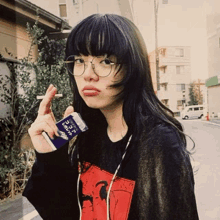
213,123
209,122
29,216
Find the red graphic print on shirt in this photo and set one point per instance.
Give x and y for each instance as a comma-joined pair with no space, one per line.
95,185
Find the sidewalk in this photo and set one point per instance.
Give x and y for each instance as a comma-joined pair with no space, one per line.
217,121
214,121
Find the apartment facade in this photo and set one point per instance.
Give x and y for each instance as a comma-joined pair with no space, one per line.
73,11
174,76
213,82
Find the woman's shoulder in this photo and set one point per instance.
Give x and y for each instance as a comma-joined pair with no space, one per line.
163,144
164,135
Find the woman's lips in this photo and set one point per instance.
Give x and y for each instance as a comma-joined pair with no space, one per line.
90,91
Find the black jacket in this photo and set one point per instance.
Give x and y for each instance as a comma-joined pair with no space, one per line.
155,181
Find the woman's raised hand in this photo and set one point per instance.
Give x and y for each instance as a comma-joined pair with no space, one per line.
45,121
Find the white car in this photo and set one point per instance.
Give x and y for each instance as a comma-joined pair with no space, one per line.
192,111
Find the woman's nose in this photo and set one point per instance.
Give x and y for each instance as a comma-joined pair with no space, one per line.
89,73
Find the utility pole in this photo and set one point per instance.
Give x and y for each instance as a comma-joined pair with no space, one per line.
199,91
156,4
80,9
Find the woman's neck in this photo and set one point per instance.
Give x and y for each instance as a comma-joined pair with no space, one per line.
117,127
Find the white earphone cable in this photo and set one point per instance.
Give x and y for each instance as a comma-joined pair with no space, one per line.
113,178
110,186
78,180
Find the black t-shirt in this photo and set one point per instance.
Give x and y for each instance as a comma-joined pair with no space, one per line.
96,180
154,182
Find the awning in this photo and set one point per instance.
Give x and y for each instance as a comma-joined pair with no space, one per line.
213,81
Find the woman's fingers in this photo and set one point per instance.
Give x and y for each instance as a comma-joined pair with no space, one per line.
44,123
52,115
49,88
36,129
49,119
45,105
68,111
39,142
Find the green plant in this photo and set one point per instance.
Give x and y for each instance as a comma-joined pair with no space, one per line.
28,79
195,94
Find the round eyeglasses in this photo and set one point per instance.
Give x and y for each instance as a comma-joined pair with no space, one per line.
102,66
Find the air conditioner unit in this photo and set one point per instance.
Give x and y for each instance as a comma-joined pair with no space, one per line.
75,2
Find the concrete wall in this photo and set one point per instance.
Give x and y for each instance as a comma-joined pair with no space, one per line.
214,54
50,5
214,100
213,40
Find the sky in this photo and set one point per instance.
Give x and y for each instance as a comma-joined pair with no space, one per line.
180,23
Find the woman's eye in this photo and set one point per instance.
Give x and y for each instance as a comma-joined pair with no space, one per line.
78,61
107,62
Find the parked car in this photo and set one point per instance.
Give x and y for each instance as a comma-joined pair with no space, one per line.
192,111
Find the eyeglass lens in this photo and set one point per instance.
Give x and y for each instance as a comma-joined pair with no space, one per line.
102,66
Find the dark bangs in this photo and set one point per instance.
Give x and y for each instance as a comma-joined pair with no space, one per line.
98,35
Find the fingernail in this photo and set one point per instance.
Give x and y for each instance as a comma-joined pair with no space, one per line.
59,132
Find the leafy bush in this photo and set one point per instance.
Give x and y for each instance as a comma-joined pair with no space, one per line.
29,78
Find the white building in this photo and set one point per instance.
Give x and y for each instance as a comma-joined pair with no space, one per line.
213,82
175,76
75,10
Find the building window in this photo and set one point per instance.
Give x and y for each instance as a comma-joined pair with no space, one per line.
179,52
162,51
180,87
63,11
179,69
163,69
164,85
165,102
179,102
62,7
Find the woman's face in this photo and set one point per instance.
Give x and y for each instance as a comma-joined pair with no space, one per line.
93,84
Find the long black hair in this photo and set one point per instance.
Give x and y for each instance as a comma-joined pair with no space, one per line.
116,35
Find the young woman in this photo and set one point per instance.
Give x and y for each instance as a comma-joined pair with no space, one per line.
132,162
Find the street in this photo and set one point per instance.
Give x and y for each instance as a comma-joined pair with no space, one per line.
205,161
